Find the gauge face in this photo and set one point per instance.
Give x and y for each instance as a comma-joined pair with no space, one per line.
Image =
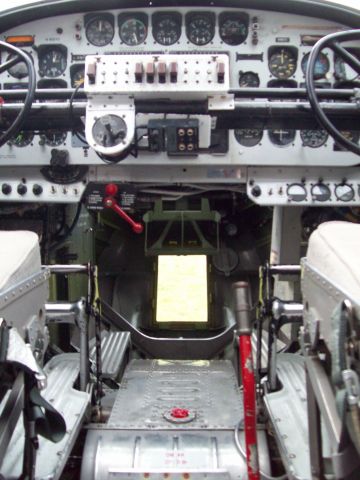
133,31
52,63
248,137
64,175
282,136
282,63
53,138
77,78
343,71
109,130
322,65
320,192
351,135
313,138
233,28
344,192
22,139
166,28
99,31
296,192
249,80
200,29
18,71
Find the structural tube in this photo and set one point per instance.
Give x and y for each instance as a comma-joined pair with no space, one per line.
248,376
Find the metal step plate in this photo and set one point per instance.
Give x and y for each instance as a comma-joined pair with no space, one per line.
141,440
61,372
113,349
287,409
151,388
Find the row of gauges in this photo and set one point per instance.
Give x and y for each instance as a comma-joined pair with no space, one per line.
283,63
250,137
52,61
52,138
321,192
167,28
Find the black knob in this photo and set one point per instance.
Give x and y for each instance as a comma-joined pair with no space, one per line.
59,158
37,189
256,191
21,189
6,189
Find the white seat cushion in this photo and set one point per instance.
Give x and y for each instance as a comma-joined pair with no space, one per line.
334,251
19,257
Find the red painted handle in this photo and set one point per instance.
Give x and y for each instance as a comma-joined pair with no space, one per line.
248,377
110,202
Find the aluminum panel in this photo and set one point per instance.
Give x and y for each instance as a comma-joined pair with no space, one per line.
166,454
150,388
287,409
61,372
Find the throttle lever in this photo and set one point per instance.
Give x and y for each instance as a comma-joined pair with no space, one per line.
110,202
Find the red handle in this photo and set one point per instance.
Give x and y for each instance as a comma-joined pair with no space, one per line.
248,376
109,202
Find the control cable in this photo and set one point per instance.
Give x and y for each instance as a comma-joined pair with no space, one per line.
265,476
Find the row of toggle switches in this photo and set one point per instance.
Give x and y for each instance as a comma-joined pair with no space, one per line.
162,70
152,68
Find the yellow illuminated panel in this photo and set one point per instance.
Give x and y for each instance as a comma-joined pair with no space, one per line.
182,289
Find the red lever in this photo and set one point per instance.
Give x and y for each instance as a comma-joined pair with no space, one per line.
110,202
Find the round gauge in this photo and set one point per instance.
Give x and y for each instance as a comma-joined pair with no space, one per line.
233,29
351,135
282,63
53,62
109,130
77,78
19,70
225,261
296,192
249,80
99,31
133,31
166,29
313,138
340,68
343,71
344,192
282,136
200,29
320,192
22,139
53,138
248,137
322,65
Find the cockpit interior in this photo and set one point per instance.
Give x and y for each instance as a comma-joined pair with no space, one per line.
179,240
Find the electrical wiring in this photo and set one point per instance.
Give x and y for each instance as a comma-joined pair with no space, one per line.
69,230
264,476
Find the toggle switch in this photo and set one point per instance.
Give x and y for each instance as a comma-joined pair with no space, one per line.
173,72
139,72
150,72
162,72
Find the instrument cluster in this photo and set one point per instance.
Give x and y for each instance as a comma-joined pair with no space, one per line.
265,50
166,28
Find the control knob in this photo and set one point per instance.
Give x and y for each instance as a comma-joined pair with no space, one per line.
6,189
21,189
37,189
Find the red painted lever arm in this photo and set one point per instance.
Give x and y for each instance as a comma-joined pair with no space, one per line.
109,202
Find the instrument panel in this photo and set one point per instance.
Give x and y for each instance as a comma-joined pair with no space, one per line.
265,49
